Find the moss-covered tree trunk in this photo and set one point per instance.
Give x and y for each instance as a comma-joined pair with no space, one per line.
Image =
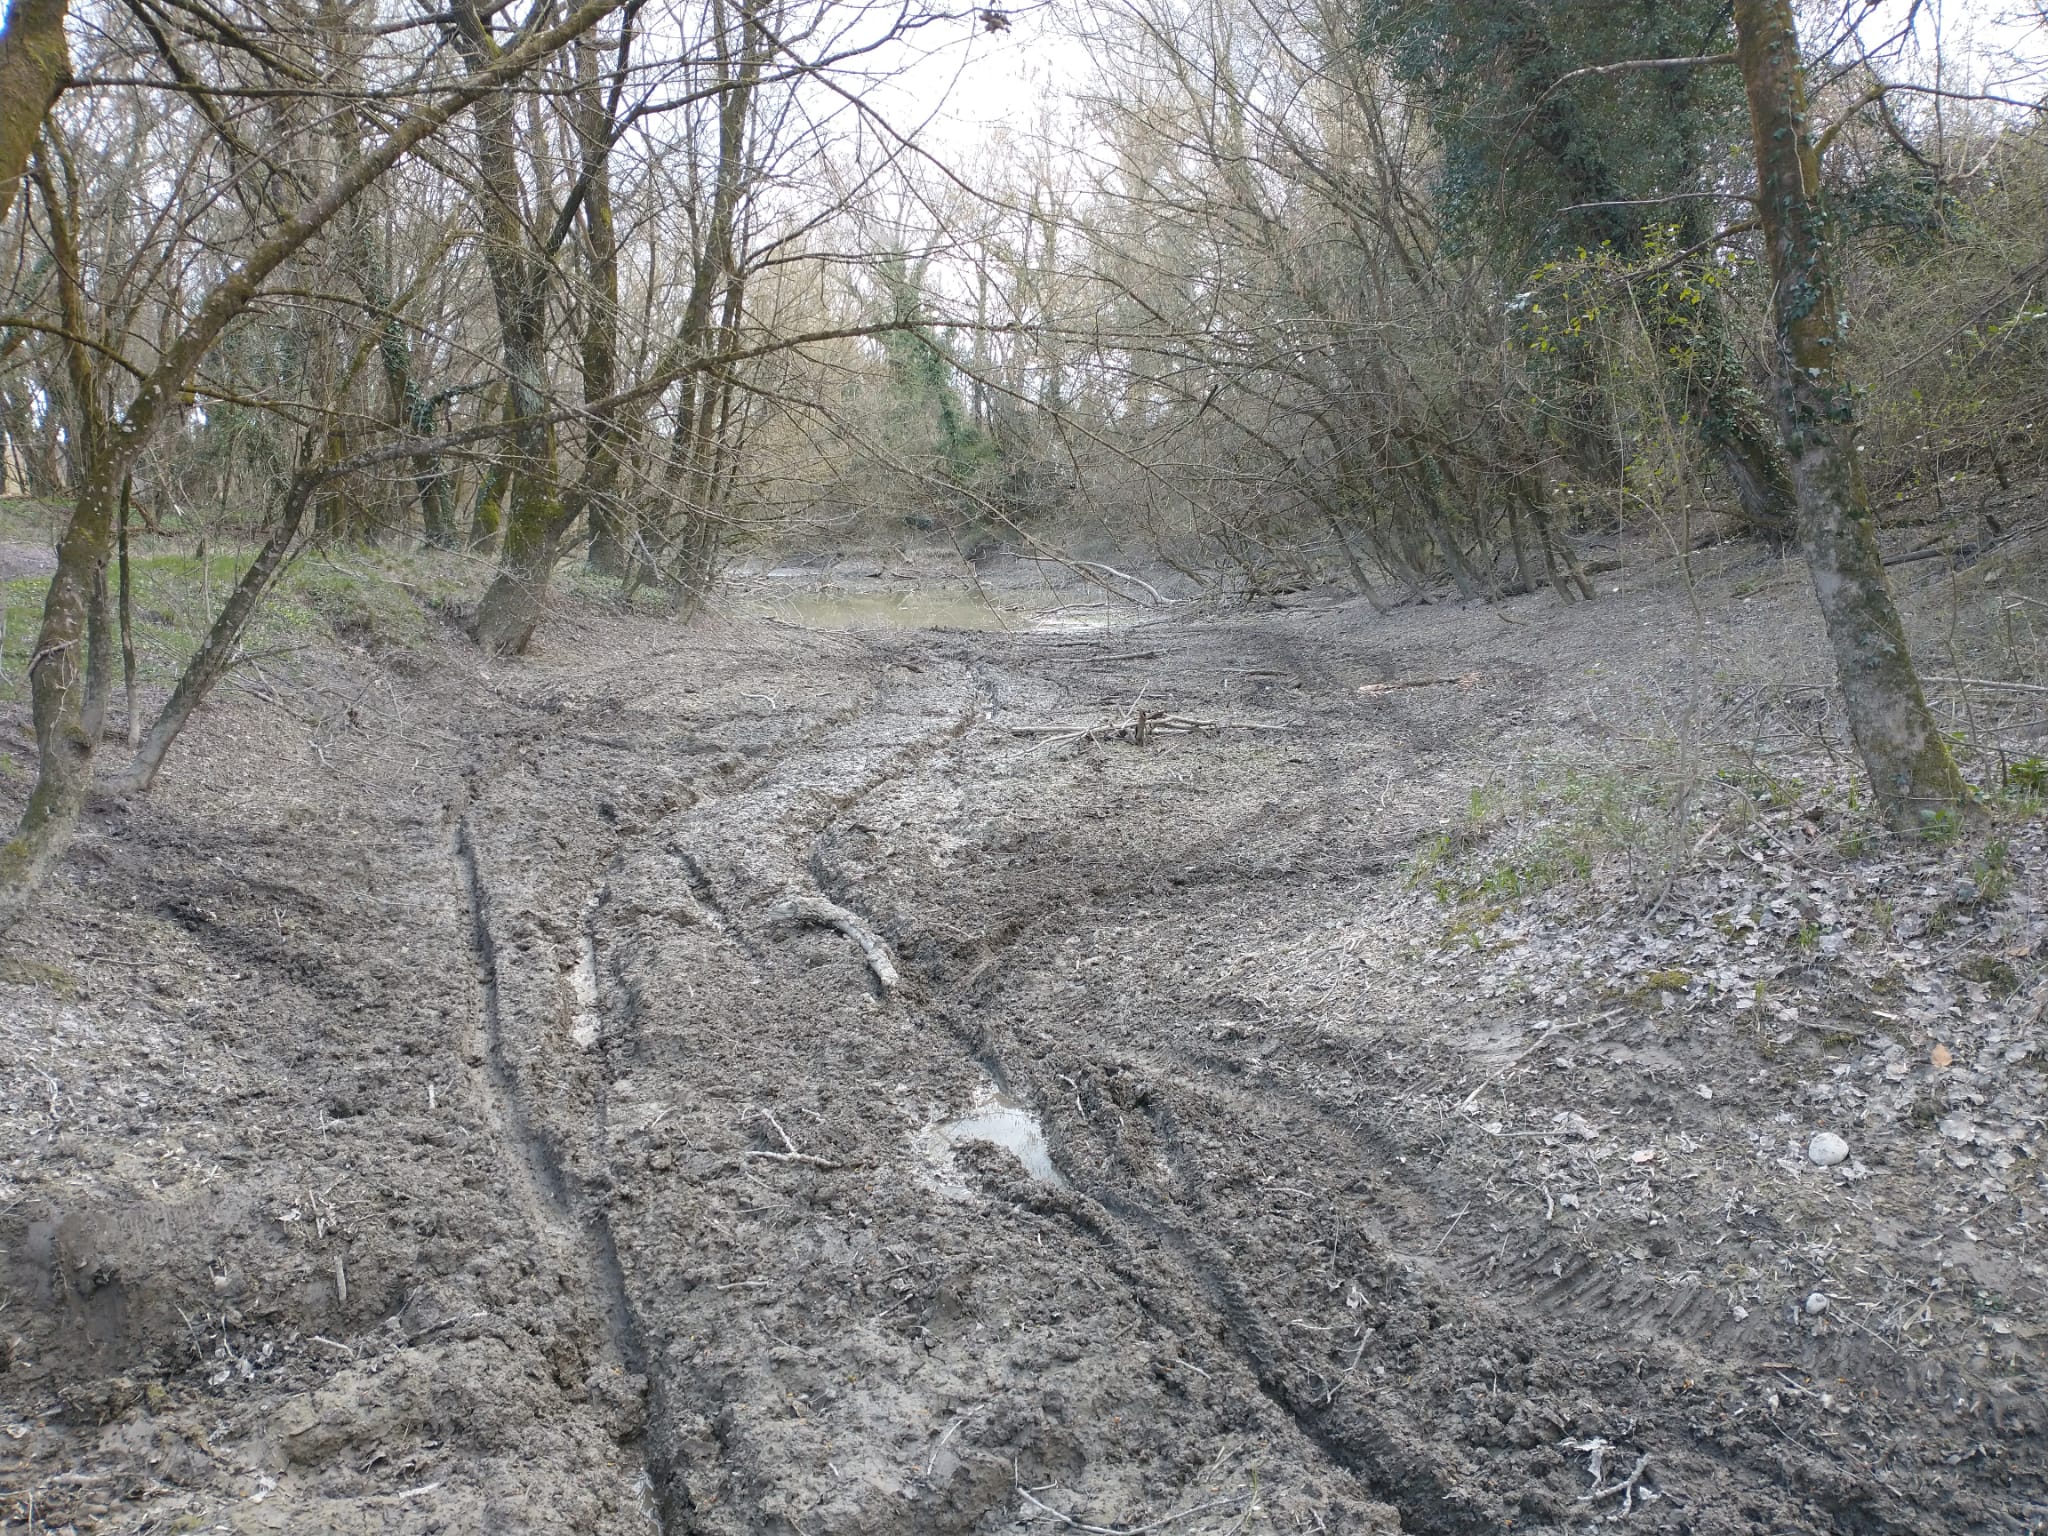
1914,778
597,492
520,274
34,66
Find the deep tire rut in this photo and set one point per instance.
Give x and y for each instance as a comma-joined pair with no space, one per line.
578,1223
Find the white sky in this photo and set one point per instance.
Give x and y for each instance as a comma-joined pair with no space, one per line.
963,84
1998,46
966,85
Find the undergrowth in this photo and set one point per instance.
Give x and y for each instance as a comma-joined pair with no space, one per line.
1517,841
1631,832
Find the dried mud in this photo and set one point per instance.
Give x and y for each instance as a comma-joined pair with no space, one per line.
422,1122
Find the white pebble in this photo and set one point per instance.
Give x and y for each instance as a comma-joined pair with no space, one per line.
1817,1303
1827,1149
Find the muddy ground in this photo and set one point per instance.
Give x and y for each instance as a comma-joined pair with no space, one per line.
1387,1110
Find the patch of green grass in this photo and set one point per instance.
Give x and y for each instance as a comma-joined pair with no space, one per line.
20,971
1555,833
1993,871
1994,972
378,602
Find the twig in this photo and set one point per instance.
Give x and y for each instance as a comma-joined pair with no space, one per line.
951,1430
795,1157
1134,726
1626,1488
1450,1229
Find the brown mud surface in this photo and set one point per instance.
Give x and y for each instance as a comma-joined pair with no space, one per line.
422,1113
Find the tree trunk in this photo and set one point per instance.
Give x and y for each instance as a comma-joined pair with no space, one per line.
1733,427
414,413
411,410
743,53
597,490
1911,772
520,276
35,64
210,662
133,734
1765,498
67,699
1525,573
487,511
1354,564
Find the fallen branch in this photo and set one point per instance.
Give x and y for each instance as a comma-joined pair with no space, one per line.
829,914
1110,570
1462,680
791,1156
1986,682
1127,1530
1138,727
1073,563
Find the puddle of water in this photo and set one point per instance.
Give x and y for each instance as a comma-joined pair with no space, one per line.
1000,1121
936,608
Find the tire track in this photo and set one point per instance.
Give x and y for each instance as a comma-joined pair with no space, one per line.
577,1224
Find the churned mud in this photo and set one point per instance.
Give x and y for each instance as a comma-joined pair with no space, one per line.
1255,1080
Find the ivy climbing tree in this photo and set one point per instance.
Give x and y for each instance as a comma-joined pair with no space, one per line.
1570,129
1902,748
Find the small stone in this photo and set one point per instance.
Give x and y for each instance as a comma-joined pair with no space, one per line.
1816,1304
1827,1149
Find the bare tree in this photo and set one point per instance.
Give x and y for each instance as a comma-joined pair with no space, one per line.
66,733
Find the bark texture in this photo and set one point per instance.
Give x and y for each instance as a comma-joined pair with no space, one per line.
520,278
1911,772
35,63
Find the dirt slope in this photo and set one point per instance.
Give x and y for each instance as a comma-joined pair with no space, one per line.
429,1123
